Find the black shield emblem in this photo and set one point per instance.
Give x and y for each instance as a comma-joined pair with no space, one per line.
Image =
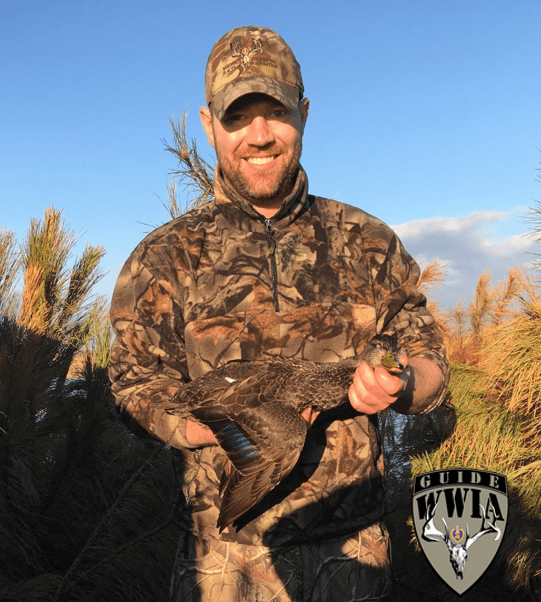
460,516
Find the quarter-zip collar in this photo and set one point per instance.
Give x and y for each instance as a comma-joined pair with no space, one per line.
229,201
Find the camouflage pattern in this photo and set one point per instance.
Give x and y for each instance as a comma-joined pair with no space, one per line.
252,59
199,292
346,569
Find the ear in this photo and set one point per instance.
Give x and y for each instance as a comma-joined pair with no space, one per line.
206,122
304,107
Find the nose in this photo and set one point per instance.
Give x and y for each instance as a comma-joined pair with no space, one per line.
259,132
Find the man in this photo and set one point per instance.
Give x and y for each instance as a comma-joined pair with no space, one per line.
268,269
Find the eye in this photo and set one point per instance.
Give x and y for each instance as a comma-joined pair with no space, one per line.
279,113
233,118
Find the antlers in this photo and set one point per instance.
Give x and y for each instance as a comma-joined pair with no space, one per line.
430,532
484,531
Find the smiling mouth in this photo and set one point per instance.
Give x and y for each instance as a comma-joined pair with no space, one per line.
260,160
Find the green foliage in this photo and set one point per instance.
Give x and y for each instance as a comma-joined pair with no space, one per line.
487,436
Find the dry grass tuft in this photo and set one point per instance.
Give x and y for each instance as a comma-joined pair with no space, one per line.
512,356
467,328
433,274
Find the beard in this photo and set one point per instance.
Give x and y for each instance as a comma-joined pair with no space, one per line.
269,188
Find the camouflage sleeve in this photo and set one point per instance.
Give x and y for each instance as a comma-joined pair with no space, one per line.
148,360
401,308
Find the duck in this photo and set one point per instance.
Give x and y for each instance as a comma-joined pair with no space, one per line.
254,408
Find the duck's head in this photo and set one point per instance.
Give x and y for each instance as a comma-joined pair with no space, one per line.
383,351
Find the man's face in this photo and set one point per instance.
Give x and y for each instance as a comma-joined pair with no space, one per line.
258,144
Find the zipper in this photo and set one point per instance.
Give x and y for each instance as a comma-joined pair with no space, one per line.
272,256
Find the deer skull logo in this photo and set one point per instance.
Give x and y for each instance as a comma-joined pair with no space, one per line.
245,53
458,550
476,503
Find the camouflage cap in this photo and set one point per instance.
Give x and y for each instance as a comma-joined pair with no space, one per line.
251,59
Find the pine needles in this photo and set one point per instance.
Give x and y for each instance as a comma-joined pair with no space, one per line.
193,173
490,436
9,268
53,299
83,503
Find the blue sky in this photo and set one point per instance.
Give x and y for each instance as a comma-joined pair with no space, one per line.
426,113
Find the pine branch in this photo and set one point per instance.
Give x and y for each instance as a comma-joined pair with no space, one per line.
9,271
65,583
193,172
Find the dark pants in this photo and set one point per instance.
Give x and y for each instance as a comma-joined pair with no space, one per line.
340,570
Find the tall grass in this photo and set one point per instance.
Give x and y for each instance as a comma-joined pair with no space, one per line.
495,392
489,436
512,356
467,326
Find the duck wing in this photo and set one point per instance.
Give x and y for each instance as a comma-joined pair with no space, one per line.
261,436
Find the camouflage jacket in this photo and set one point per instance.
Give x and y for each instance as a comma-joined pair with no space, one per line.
221,283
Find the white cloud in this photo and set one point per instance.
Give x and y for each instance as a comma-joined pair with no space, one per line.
420,227
468,246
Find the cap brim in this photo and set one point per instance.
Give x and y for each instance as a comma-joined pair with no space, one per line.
288,95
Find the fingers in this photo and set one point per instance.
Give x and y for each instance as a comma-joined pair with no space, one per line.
310,415
375,390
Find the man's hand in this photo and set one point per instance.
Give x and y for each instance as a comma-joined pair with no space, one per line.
374,390
199,435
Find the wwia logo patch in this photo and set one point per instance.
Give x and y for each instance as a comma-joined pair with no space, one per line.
460,517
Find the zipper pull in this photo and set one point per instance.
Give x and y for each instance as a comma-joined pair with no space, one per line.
270,236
